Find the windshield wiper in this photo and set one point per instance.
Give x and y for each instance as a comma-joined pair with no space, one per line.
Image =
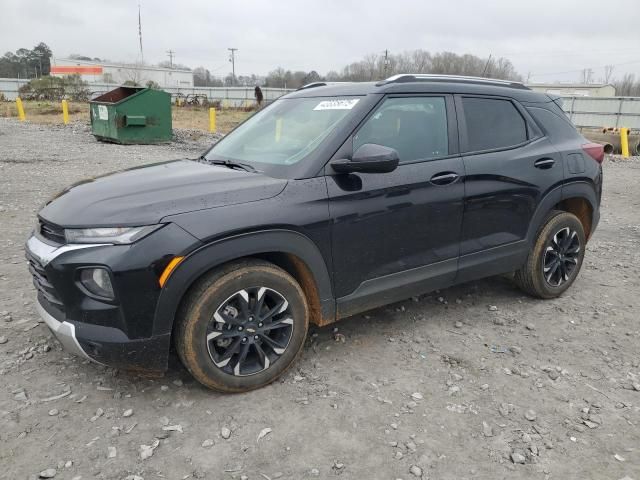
230,164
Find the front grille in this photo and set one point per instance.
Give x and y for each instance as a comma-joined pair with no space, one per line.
52,232
41,282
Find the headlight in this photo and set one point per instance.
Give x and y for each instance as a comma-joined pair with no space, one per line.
97,281
119,235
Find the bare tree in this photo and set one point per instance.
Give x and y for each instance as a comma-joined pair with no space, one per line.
371,66
421,61
332,76
608,71
628,86
587,76
132,75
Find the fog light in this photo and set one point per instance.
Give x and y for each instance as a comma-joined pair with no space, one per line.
97,281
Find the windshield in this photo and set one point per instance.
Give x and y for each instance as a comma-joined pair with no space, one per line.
284,132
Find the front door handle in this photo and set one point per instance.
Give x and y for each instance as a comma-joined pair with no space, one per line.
444,178
544,163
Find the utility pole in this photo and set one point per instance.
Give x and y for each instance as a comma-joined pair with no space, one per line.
386,62
140,34
232,59
484,71
171,53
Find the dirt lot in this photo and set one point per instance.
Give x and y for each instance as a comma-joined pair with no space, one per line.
187,117
477,381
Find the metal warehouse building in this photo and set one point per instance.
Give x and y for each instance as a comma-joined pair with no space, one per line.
97,72
575,89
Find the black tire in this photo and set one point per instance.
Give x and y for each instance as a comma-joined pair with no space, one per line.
533,277
200,337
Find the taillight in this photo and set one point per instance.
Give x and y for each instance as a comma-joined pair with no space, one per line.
595,151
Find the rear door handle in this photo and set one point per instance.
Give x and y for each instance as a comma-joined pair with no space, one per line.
544,163
444,178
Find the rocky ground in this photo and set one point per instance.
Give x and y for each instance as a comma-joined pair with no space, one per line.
477,381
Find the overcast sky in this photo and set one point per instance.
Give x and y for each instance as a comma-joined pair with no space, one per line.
548,39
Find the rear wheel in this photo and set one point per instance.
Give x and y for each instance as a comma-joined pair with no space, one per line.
555,260
242,326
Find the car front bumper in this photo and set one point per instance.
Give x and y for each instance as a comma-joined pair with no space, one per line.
106,345
64,331
119,332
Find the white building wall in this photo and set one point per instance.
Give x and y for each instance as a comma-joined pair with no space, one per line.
118,73
163,77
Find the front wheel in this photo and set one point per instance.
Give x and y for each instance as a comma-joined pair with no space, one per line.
555,260
242,326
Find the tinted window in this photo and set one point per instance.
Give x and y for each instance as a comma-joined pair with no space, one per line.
493,123
415,127
556,126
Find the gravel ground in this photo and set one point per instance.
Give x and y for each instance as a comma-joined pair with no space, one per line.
476,381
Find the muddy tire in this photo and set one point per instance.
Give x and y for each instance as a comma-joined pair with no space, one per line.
242,326
555,260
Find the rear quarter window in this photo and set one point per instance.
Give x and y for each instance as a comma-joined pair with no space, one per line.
492,123
556,126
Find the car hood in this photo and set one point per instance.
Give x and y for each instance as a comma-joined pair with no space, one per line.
144,195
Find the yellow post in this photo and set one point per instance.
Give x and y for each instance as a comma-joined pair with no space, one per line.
212,120
65,112
20,109
278,129
624,141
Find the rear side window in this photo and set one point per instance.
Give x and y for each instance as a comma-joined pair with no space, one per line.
492,123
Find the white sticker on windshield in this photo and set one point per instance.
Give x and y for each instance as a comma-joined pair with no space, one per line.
339,104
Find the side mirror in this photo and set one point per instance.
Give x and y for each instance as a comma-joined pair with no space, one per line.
368,158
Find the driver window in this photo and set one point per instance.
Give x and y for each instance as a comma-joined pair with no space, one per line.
416,127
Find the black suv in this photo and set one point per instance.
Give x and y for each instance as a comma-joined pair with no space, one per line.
333,200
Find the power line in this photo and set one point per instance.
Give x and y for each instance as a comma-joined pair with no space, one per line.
582,69
564,54
217,69
171,53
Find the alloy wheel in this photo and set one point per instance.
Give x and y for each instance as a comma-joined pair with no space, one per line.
249,331
561,257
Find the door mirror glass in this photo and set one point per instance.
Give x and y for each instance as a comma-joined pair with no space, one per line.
368,158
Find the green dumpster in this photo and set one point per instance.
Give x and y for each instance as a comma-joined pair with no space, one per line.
132,115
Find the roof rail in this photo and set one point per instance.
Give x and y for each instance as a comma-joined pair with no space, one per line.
320,84
312,85
421,77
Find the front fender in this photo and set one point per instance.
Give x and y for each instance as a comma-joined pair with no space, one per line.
237,246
